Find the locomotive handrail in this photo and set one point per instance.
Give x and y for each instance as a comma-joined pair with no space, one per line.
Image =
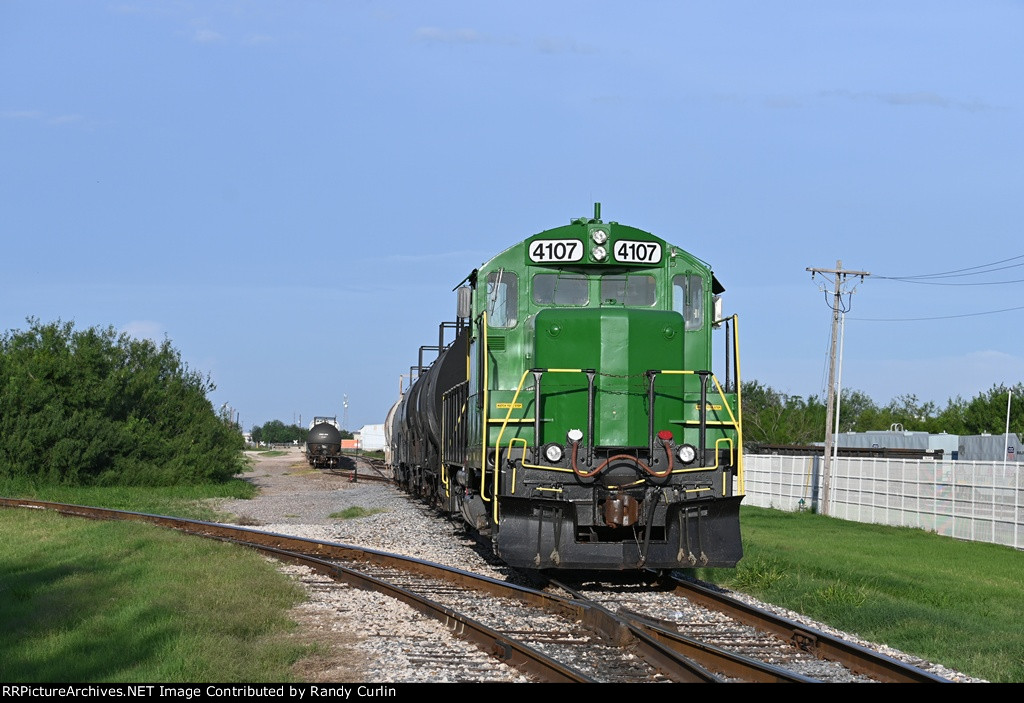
483,425
444,441
501,453
508,418
735,419
450,439
733,422
739,403
497,444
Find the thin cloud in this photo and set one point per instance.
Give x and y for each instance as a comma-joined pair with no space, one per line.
437,35
140,10
781,102
910,99
207,36
43,118
259,40
21,115
552,45
463,255
545,45
65,119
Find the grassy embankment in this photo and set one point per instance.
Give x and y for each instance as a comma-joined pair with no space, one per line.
85,601
951,602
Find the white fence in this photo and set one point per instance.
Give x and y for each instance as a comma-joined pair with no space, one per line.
971,500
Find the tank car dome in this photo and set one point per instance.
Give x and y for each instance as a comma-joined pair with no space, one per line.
323,433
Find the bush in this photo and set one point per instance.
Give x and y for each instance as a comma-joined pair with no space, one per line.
96,408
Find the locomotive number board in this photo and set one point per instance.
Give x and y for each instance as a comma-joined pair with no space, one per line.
624,251
545,251
631,252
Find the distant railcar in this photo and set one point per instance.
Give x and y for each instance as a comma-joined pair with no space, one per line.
323,443
575,417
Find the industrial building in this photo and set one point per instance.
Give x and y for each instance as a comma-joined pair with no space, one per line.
983,447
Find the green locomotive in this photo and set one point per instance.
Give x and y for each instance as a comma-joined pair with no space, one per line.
575,417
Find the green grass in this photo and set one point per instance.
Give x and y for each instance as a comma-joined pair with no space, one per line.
86,601
356,512
179,501
951,602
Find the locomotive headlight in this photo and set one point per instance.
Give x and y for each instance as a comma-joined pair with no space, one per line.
686,453
599,236
600,253
553,453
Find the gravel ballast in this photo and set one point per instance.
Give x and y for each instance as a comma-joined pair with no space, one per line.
364,636
367,637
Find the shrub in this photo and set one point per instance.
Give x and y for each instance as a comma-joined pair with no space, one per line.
93,407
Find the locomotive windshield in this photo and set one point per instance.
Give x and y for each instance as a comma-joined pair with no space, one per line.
560,289
634,291
574,289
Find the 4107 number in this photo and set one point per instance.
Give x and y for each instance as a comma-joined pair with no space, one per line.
547,250
631,252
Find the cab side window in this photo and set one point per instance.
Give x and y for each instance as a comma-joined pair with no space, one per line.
502,298
688,300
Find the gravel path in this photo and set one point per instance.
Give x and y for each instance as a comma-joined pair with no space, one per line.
364,637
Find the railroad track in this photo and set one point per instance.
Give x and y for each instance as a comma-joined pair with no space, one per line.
362,468
549,636
692,618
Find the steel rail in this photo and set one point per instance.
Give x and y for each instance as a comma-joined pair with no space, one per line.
710,657
715,658
824,646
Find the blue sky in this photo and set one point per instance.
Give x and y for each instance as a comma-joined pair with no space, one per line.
289,191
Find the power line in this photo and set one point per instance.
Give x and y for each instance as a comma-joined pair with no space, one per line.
958,273
933,283
941,317
929,279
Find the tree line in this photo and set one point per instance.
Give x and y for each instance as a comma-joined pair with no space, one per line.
773,417
276,432
94,407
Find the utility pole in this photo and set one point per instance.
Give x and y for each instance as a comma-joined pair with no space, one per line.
838,281
344,416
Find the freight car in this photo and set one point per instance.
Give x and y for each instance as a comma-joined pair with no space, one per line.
574,416
323,443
